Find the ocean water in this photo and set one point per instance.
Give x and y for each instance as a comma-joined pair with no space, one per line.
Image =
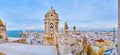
15,33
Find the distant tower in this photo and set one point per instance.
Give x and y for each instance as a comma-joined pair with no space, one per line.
51,23
114,34
74,28
66,28
2,31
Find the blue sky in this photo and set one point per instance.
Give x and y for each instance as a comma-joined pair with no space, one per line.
29,14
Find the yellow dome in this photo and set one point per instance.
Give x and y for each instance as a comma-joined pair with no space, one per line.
1,23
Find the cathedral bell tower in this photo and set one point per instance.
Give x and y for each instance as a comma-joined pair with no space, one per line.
51,22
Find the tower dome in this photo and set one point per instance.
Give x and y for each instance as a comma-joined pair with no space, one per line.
51,13
1,23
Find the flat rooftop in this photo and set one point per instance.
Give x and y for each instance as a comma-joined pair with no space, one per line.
25,49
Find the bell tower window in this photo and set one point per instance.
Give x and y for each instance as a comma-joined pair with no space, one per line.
51,27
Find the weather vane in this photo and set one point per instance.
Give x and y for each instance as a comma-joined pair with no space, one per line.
51,3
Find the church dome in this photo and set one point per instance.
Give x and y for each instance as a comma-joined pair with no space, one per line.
50,13
1,23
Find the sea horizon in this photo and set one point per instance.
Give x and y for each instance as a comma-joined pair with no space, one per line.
15,33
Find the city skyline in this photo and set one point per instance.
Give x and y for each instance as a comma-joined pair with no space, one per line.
29,14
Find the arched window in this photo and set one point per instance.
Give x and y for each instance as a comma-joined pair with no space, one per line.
51,27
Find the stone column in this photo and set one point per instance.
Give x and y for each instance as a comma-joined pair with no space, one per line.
118,27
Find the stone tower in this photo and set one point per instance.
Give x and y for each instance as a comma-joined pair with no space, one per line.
74,29
66,28
51,22
2,31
